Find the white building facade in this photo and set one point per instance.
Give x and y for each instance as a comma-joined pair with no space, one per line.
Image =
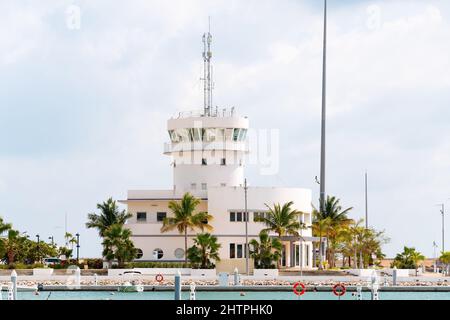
208,150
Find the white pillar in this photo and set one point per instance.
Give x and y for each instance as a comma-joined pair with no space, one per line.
14,284
78,276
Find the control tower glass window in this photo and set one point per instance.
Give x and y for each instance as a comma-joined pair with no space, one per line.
210,135
235,134
220,135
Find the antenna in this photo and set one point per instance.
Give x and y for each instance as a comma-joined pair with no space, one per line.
207,74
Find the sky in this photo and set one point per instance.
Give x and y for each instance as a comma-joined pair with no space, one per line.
84,103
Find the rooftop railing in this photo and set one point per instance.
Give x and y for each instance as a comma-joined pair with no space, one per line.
215,113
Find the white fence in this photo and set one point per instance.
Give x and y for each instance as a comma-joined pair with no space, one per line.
208,273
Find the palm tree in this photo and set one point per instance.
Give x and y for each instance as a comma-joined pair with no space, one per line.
283,220
337,217
266,251
11,244
204,249
109,215
184,218
320,227
4,226
408,259
445,259
70,240
118,245
362,244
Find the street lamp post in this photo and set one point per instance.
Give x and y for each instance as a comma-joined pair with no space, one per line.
52,240
247,251
323,123
78,246
434,256
443,227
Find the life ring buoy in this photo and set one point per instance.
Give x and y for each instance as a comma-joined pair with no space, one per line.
159,277
339,290
299,293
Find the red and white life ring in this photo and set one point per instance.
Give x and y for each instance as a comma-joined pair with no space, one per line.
299,293
339,290
159,277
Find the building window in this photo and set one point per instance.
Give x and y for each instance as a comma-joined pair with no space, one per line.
158,254
223,162
160,216
179,253
232,251
204,162
139,253
258,215
141,216
204,186
193,186
238,216
235,134
239,251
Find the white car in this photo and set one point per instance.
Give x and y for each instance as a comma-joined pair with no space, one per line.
51,261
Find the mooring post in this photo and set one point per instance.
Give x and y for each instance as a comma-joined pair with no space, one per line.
14,284
359,295
236,276
394,276
178,286
374,292
78,277
192,293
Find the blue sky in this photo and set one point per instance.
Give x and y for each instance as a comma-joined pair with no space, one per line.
83,111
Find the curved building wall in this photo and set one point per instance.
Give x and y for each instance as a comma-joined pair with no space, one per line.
207,151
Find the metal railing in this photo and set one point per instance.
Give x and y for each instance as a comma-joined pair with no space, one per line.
217,145
215,112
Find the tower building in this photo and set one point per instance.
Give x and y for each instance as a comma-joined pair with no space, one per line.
208,148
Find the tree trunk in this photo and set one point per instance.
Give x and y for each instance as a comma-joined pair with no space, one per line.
361,261
320,251
279,260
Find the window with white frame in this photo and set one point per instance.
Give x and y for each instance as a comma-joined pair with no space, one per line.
141,216
237,251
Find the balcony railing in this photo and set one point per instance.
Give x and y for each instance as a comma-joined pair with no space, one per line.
208,146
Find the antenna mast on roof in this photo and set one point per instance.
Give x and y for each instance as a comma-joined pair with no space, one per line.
207,77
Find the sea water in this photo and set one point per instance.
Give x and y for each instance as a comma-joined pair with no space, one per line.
216,295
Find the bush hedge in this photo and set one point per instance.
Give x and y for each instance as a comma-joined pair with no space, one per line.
157,265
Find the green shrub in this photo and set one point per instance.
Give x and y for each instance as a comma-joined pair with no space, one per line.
157,265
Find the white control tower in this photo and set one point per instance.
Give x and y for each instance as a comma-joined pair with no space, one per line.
207,146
